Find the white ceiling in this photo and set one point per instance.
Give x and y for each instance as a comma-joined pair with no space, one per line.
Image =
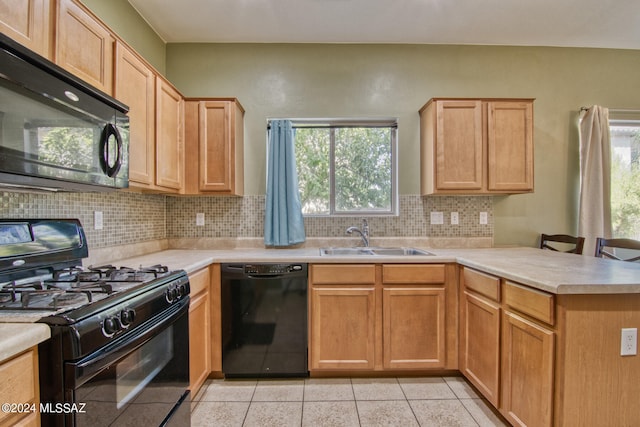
575,23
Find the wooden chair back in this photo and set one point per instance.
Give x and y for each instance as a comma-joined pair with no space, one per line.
631,247
577,243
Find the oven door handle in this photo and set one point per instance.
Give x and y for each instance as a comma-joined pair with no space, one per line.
79,372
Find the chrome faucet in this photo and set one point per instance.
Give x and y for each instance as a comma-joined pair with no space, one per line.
363,231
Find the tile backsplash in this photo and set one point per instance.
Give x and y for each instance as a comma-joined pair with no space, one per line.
244,217
127,217
133,218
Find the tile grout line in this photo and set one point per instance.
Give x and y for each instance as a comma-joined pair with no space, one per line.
406,399
355,401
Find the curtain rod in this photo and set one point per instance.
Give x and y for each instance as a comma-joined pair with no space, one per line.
615,110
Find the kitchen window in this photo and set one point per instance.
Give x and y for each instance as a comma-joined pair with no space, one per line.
625,175
347,167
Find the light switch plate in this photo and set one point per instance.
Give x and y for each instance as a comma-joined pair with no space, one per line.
437,218
98,222
484,218
455,220
200,219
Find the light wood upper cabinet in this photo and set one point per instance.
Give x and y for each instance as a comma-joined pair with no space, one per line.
510,145
476,146
214,138
169,136
84,46
452,143
29,23
135,85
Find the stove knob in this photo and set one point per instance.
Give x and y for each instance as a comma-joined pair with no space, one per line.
110,326
182,289
127,316
171,295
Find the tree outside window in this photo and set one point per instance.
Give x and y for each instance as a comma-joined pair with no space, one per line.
625,179
347,169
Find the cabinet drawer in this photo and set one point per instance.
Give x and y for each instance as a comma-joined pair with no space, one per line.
399,273
481,283
340,274
536,304
199,281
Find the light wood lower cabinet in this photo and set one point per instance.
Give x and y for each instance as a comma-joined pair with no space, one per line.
507,346
20,385
480,344
342,317
379,317
527,371
414,327
199,329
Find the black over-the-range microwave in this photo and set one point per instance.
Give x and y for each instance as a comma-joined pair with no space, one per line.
57,133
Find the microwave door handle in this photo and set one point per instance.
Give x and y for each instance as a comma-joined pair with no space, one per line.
109,131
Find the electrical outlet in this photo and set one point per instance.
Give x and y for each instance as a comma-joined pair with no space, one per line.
629,342
437,218
200,219
97,220
454,218
484,218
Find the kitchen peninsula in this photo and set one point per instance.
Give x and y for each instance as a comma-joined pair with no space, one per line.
547,354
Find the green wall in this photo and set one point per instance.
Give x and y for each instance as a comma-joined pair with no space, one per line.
125,21
315,80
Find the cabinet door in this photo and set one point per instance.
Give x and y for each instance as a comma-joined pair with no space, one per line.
217,165
199,330
27,22
169,136
480,344
459,142
342,328
527,372
414,333
84,46
510,146
135,86
20,385
214,142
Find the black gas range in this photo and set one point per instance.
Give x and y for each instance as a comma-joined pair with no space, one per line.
119,345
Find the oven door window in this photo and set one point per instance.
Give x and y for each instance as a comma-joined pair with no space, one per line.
141,387
139,369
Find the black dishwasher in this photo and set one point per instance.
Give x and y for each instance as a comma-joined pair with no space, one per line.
264,320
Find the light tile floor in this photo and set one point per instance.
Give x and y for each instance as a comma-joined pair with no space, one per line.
320,402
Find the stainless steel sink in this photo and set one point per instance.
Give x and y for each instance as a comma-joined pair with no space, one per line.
373,251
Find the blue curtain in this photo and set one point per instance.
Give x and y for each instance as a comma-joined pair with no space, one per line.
283,222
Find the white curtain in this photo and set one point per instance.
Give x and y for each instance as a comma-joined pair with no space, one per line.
594,216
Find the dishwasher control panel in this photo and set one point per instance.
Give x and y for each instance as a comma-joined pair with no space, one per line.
271,269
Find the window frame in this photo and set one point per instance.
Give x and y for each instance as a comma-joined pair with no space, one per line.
339,123
622,118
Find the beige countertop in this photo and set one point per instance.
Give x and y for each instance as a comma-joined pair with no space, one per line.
549,271
18,337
